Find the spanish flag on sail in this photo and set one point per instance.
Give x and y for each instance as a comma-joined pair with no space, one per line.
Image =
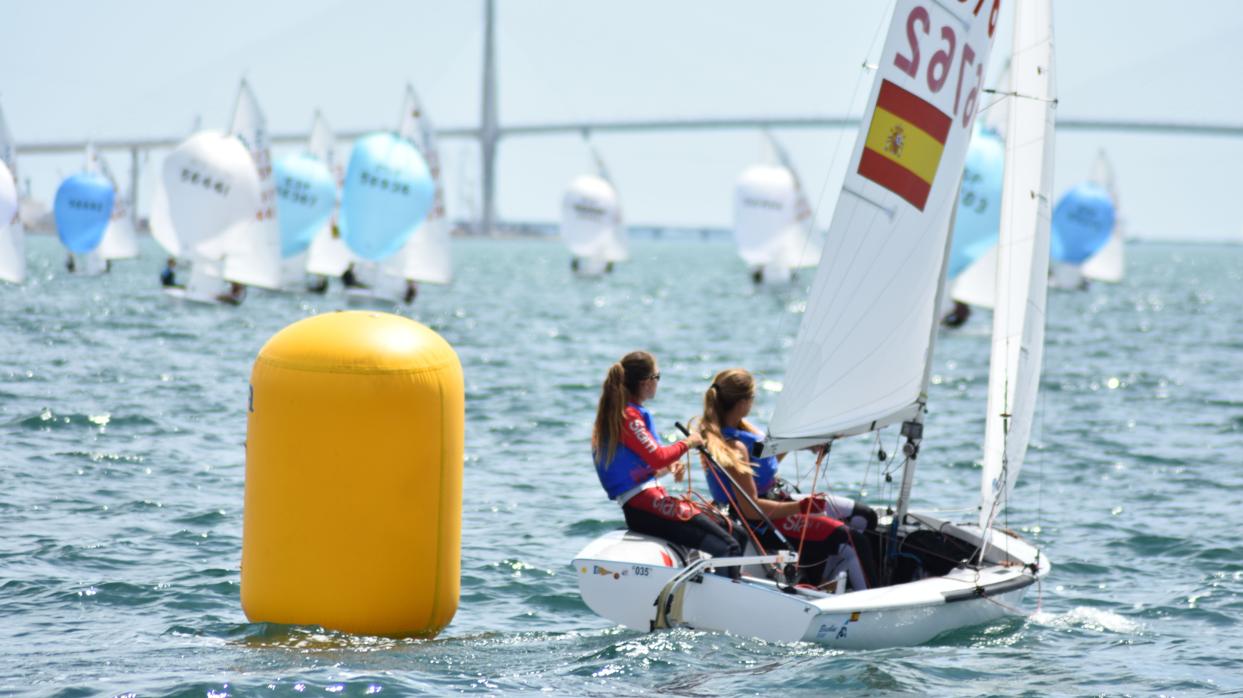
904,144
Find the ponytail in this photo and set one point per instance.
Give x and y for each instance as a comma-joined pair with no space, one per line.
728,388
621,384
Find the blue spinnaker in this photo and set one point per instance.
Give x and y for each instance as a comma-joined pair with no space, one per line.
388,192
82,210
306,194
979,202
1082,223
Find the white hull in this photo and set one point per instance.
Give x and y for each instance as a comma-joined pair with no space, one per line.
621,575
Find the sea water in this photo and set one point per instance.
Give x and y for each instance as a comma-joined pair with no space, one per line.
122,468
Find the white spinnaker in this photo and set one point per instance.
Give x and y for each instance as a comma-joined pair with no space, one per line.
426,256
120,241
765,212
1022,258
1109,263
12,241
208,183
859,360
253,247
588,217
328,254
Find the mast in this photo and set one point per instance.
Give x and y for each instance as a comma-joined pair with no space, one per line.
488,127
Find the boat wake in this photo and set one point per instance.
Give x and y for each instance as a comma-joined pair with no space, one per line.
1085,618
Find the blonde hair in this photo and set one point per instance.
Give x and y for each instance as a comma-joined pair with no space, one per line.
621,383
729,387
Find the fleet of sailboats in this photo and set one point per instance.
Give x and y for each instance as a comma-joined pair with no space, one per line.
861,360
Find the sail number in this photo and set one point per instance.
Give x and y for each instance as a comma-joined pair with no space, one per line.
941,63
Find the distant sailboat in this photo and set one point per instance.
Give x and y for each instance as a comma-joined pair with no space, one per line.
426,257
12,236
306,206
207,203
82,210
773,218
388,192
1109,263
592,225
862,358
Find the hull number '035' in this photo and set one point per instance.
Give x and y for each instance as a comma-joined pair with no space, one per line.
940,66
642,571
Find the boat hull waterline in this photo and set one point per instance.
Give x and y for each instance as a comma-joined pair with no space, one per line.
622,574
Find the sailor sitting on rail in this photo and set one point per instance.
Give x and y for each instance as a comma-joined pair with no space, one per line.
825,543
629,457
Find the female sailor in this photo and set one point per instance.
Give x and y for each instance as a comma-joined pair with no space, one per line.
825,542
629,458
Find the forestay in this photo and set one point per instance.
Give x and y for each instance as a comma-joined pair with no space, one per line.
1022,258
859,360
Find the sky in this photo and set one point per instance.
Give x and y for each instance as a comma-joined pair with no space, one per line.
78,70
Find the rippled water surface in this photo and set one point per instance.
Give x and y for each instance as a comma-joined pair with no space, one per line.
122,421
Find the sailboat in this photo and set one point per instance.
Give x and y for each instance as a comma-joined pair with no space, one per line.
773,218
1109,263
426,257
82,210
213,206
1087,234
592,225
861,360
12,236
327,256
306,204
120,241
388,192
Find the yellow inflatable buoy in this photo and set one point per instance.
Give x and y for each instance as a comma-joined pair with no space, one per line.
354,443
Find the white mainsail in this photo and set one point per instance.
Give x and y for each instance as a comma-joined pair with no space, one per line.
120,240
1022,258
328,255
253,246
1109,264
12,237
426,256
861,355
